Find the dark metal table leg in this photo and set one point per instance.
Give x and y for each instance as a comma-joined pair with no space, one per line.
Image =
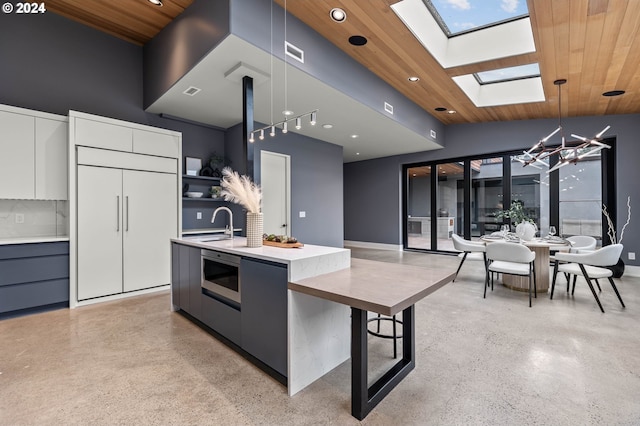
363,397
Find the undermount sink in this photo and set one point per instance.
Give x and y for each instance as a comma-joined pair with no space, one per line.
214,238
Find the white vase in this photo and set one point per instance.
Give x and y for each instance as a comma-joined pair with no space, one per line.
526,231
254,229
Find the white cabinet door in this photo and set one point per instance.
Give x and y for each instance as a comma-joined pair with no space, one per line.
99,247
150,221
51,159
16,155
103,135
152,143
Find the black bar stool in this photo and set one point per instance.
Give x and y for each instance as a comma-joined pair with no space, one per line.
394,336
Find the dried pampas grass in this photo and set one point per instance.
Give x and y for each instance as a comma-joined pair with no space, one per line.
240,190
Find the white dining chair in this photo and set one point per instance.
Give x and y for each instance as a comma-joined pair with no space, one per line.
580,244
512,259
470,250
591,266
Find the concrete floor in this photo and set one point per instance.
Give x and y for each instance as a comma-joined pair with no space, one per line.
479,362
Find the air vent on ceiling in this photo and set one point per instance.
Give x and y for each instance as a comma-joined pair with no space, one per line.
191,91
293,51
388,107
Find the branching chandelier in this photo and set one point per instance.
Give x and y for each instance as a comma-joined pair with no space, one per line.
539,153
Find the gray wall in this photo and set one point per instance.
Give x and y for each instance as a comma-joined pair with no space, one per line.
316,182
182,44
368,217
55,65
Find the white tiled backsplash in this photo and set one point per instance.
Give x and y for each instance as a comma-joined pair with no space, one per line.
33,218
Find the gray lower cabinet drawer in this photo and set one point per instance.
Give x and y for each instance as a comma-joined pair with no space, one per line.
220,317
29,295
33,275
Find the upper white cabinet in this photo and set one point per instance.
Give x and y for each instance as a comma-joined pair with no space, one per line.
33,155
154,143
17,166
51,157
103,135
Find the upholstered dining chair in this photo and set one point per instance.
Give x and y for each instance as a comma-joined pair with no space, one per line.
512,259
579,243
470,250
591,266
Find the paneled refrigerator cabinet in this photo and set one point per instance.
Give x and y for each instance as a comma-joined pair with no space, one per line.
126,208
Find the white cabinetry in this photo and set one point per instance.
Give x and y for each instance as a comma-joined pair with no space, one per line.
126,206
17,173
33,155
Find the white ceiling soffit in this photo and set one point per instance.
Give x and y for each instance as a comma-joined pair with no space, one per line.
220,103
502,93
499,41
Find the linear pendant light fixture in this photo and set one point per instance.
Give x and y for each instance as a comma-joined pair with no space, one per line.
539,153
289,115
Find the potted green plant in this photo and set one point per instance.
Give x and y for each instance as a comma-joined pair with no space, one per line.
525,226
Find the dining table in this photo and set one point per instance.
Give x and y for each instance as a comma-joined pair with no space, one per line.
542,247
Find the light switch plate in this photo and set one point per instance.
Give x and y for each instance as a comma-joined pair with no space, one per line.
199,215
632,255
302,214
19,218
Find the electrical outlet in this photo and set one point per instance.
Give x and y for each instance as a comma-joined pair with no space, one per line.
433,134
302,214
632,255
19,218
199,215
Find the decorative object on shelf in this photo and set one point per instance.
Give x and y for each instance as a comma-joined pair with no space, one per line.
215,191
539,153
241,190
206,171
217,163
525,226
192,166
194,194
618,268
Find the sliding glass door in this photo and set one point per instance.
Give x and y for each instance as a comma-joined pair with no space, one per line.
462,196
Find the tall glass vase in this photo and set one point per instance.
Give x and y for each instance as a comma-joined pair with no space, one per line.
254,229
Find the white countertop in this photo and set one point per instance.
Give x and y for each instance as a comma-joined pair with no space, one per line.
31,240
307,261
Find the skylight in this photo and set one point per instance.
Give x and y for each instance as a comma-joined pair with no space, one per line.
461,16
508,74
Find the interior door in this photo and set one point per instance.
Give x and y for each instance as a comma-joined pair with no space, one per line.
274,181
150,220
99,232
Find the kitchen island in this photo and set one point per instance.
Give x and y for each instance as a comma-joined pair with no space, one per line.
295,337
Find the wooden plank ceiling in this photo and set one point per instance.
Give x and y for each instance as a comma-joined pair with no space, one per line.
594,44
136,21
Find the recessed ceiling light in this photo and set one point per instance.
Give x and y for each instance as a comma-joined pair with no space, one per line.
287,112
451,111
358,40
338,14
441,109
613,93
413,79
357,153
354,136
156,2
327,126
192,91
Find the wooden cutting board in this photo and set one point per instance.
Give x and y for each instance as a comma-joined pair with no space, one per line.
283,245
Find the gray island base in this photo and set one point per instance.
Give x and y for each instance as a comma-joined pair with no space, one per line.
302,312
